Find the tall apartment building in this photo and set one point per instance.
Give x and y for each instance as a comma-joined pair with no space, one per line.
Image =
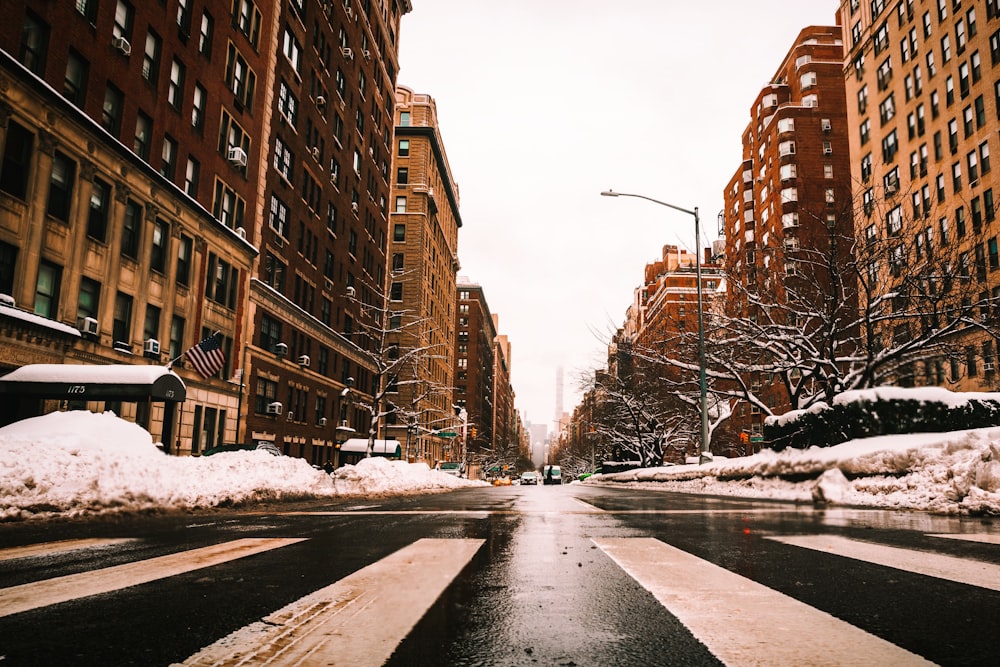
195,167
505,431
423,251
922,86
127,168
321,222
475,364
792,195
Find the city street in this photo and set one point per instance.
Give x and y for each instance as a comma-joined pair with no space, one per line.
534,575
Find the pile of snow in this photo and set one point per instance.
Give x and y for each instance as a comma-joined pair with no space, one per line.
72,463
954,473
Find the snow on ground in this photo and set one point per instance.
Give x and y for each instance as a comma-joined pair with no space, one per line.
952,473
77,463
74,463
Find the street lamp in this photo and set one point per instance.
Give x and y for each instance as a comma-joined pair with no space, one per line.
705,452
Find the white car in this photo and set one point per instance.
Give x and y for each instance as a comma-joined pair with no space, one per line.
449,468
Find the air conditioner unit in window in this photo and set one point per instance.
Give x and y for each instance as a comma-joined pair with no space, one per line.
315,152
88,326
280,349
988,367
354,206
322,421
348,53
343,424
7,300
351,292
890,189
320,101
274,408
827,151
367,54
151,346
237,156
304,361
122,346
290,416
122,45
827,125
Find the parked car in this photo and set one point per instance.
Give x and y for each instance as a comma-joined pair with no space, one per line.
529,477
552,475
450,468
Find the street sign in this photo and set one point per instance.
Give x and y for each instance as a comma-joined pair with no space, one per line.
447,434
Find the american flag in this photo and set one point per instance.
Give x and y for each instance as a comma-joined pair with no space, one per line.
207,356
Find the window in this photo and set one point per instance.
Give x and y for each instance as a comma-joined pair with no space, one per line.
143,133
61,187
887,109
288,104
192,172
89,299
205,34
292,50
124,14
404,147
75,83
158,256
221,281
198,108
396,291
47,289
278,219
400,205
34,43
151,325
399,233
175,91
130,229
168,155
246,18
151,58
121,326
283,159
185,248
111,110
97,218
240,79
228,207
16,166
404,119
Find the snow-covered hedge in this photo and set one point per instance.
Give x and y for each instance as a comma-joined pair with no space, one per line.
882,411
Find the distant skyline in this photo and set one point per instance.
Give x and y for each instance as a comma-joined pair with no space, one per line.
542,105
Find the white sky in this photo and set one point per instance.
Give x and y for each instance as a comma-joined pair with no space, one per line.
79,463
545,103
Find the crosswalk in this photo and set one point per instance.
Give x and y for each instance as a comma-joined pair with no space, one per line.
361,619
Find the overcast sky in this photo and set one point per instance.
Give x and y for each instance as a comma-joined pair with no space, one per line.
545,103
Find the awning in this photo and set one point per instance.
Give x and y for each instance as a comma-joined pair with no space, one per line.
380,448
79,382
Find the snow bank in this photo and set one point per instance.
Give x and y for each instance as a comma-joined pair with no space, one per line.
78,462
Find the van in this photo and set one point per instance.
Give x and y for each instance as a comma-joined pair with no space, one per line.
552,475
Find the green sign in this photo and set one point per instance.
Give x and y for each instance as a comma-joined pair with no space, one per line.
756,438
447,434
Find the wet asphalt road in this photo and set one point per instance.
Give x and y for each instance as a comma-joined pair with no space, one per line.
538,592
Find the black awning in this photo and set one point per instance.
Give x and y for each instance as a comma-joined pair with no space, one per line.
78,382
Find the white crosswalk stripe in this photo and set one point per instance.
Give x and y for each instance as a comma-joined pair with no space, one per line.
714,604
962,570
357,621
17,599
62,546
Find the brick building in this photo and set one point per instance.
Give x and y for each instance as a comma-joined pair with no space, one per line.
791,197
475,363
203,166
125,176
423,251
921,81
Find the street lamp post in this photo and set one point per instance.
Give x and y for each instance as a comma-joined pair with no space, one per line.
703,387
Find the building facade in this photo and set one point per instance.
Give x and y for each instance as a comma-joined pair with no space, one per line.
423,254
321,223
790,201
123,177
475,364
922,90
